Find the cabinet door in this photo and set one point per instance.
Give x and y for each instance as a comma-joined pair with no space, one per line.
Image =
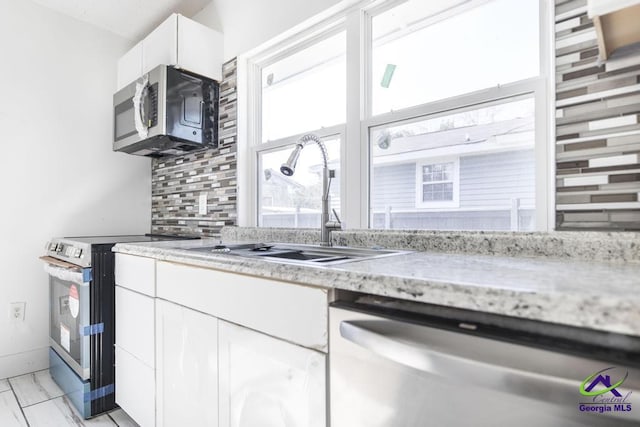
268,382
186,367
135,388
199,48
130,66
160,46
135,332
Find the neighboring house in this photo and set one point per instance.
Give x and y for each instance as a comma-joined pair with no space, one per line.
474,177
277,189
457,179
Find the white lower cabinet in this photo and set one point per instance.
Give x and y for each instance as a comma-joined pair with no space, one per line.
135,355
202,347
267,382
135,388
186,366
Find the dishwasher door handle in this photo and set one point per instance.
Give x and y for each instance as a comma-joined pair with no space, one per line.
463,370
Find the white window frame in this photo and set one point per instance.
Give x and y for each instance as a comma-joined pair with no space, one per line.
356,166
438,204
332,132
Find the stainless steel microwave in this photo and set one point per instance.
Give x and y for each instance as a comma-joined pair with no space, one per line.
166,112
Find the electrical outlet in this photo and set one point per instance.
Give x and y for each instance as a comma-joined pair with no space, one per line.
16,311
202,205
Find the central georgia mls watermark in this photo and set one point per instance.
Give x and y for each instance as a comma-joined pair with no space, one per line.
604,395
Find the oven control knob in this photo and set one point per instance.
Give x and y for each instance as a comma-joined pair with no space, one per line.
78,253
59,247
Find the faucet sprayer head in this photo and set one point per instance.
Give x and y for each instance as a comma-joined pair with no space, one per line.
289,167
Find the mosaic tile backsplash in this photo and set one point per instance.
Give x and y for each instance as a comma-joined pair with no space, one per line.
598,128
179,184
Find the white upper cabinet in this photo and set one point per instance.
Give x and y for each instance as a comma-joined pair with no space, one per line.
161,45
130,66
603,7
616,24
199,48
178,41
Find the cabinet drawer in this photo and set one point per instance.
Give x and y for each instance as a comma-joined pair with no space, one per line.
135,388
292,312
135,329
136,273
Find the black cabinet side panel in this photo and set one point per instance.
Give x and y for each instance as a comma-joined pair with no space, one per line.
103,312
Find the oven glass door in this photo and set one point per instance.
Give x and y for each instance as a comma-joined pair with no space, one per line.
69,322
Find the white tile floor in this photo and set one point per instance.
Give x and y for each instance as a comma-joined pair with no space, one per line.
34,400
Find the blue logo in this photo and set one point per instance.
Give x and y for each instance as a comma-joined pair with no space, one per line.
605,380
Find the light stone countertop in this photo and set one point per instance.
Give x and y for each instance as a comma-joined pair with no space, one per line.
597,295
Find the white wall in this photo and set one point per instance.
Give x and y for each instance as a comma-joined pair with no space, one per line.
58,174
247,24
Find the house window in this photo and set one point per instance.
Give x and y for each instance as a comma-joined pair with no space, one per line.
424,51
439,184
302,91
267,201
305,90
438,113
460,104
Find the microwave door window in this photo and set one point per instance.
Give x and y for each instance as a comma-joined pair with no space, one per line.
124,120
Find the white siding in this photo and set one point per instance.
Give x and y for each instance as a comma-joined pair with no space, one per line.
394,185
494,179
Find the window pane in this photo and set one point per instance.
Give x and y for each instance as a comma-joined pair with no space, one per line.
477,169
422,53
437,172
306,90
295,201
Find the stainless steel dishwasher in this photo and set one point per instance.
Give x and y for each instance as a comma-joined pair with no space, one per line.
391,368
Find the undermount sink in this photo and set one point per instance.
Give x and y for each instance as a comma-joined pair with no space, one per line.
299,254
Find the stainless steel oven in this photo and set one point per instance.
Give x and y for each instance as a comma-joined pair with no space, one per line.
390,368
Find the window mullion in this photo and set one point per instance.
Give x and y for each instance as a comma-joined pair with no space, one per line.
354,157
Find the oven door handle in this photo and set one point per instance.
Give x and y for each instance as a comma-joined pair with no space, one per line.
381,337
76,276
